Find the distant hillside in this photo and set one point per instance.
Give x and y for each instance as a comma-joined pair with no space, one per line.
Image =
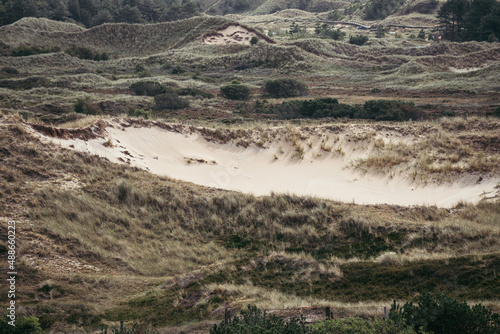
265,6
118,39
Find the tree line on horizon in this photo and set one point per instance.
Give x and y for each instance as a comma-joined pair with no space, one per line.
91,13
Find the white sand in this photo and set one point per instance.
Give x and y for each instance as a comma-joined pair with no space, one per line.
234,34
190,157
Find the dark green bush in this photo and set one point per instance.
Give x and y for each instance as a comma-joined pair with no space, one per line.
170,101
254,320
9,70
23,51
358,39
86,53
380,110
84,106
445,315
148,88
236,92
178,70
360,326
194,92
285,88
23,325
390,110
139,113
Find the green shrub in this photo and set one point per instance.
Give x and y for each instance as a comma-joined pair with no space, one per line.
194,92
86,53
178,70
84,106
445,315
139,113
254,40
23,51
285,88
9,70
360,326
390,110
254,320
236,92
148,88
23,325
358,39
170,101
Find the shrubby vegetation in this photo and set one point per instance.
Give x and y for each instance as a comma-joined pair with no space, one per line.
325,31
361,326
358,39
148,88
285,88
236,91
379,110
153,88
85,106
95,12
170,101
23,325
86,53
23,51
380,9
254,320
445,315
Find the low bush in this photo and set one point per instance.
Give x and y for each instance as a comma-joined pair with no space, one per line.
361,326
379,110
24,51
9,70
170,101
358,39
178,70
85,106
86,53
139,113
254,320
23,325
390,110
445,315
149,88
236,92
285,88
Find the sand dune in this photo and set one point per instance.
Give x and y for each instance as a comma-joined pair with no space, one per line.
260,171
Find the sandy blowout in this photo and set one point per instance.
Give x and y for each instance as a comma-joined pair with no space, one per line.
275,168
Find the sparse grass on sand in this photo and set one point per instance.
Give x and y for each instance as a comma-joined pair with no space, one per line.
187,250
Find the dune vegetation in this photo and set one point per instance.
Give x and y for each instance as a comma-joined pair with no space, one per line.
109,133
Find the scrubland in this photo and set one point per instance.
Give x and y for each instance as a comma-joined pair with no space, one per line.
102,242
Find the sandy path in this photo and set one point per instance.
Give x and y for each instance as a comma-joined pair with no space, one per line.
190,157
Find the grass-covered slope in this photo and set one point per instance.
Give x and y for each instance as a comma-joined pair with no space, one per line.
110,242
117,39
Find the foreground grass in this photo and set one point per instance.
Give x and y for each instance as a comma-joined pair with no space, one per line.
168,252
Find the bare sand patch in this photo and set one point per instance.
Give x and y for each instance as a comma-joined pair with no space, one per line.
233,34
274,168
